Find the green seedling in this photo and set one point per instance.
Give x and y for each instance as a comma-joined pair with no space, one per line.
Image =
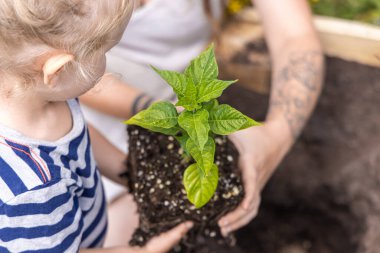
196,126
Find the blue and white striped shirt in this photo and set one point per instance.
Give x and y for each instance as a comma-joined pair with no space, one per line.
51,195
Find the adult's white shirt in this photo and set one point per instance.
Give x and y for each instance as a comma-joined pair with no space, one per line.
167,33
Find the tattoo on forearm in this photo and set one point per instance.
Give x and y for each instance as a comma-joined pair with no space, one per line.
296,88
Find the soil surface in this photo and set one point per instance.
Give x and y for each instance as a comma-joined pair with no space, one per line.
325,196
156,168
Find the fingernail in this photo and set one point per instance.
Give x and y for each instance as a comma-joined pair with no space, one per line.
225,231
223,223
189,225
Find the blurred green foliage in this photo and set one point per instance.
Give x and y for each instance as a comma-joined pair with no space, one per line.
234,6
361,10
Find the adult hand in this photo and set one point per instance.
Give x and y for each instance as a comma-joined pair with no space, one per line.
165,241
261,149
159,244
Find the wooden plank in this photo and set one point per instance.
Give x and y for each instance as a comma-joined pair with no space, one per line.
345,39
238,60
349,40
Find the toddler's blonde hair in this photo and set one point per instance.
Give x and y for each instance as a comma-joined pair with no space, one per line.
29,27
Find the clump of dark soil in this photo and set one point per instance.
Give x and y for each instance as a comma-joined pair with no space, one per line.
156,166
253,47
325,196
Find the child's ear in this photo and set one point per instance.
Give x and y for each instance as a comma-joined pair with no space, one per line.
54,64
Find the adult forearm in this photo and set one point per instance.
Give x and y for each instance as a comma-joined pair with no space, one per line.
297,83
112,96
297,62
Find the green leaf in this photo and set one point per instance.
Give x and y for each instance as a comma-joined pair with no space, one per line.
188,104
250,122
182,140
167,131
176,80
210,105
159,117
205,157
200,187
211,89
196,125
203,67
189,99
225,120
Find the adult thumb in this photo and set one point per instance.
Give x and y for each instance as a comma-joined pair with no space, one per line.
165,241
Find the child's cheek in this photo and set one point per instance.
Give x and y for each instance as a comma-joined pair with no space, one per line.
99,70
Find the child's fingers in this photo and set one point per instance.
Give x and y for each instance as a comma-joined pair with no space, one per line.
179,109
167,240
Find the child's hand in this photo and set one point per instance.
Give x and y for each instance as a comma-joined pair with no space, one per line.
164,242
